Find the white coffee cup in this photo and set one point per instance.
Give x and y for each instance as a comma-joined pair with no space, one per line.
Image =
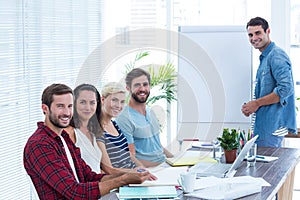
187,181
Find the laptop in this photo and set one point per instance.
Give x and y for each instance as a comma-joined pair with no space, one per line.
222,170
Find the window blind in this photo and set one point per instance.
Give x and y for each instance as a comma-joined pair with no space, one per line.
41,42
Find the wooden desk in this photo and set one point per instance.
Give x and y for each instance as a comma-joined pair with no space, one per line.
279,173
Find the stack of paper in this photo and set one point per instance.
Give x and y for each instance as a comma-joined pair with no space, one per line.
227,188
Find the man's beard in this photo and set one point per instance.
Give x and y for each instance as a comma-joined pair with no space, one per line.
137,99
55,121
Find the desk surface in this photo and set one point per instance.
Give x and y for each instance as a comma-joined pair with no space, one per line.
275,172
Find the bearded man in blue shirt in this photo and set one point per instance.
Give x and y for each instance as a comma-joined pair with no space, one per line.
139,123
273,105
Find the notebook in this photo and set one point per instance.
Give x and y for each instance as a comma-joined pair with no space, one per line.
147,192
189,158
222,170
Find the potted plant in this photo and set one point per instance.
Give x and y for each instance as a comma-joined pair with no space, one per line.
229,141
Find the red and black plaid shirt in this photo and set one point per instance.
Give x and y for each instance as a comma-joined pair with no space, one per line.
46,162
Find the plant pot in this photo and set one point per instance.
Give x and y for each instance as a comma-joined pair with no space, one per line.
230,155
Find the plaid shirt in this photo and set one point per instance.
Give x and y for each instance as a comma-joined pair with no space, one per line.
46,162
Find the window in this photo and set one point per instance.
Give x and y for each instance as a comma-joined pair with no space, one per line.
42,42
295,50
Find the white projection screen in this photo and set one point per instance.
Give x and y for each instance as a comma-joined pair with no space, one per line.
214,81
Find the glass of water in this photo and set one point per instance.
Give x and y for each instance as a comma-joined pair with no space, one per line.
217,151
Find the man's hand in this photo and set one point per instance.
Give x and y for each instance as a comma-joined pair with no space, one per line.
136,177
249,108
151,176
109,182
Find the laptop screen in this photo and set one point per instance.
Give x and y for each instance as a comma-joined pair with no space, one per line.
238,161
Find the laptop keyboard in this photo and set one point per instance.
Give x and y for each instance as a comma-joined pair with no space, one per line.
207,169
219,168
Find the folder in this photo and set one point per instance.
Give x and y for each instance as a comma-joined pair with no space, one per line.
189,158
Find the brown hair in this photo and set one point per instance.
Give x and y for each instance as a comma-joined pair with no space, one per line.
134,73
258,21
54,89
94,125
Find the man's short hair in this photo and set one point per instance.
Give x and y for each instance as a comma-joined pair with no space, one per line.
134,73
54,89
258,21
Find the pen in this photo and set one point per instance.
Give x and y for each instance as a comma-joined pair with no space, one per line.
262,157
191,140
206,145
141,170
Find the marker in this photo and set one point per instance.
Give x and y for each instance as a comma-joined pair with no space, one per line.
141,170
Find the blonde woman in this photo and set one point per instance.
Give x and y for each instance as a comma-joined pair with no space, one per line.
113,143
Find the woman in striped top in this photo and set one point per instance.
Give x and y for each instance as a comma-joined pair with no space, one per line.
113,143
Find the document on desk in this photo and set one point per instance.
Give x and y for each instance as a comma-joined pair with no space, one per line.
166,176
228,188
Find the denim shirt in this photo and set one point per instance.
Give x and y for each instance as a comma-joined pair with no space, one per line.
275,75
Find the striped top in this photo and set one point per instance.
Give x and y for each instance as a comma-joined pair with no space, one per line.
117,149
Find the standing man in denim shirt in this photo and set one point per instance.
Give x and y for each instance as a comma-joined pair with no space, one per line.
274,101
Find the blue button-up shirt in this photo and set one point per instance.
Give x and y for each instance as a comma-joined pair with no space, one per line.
275,75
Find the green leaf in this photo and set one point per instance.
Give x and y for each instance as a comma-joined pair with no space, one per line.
229,139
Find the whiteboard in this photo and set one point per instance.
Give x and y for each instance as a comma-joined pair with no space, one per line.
214,80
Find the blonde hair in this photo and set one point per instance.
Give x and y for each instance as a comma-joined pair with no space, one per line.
112,88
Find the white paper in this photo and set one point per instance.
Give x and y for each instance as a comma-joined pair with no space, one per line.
226,191
165,175
227,188
205,182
